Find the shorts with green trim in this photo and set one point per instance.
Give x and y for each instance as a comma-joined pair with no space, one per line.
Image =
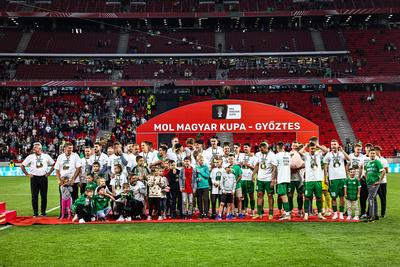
336,188
247,187
313,188
264,187
296,185
282,189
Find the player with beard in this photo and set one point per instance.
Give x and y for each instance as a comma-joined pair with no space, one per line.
364,188
99,157
382,187
213,151
296,182
247,162
86,169
147,154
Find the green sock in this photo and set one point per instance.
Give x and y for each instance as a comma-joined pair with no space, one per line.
341,208
319,205
260,210
252,204
286,206
334,207
306,204
271,211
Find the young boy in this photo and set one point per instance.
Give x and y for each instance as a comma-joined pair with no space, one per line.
188,185
175,194
216,176
90,183
139,191
202,174
352,188
101,203
228,185
83,207
96,171
156,184
102,182
123,204
118,180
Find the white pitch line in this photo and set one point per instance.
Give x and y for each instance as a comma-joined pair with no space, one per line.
9,226
5,227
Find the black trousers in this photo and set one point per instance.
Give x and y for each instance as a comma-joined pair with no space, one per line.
137,207
83,214
363,196
382,191
74,194
176,198
39,184
203,200
82,188
154,204
214,199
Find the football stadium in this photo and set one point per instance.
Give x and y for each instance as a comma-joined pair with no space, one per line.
199,132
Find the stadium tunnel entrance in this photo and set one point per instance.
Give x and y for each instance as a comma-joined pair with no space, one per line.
233,116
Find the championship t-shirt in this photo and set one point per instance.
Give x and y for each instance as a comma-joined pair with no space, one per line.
356,162
216,177
67,165
247,173
313,168
38,164
282,163
336,168
385,164
265,166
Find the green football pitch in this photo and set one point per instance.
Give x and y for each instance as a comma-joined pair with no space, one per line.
200,244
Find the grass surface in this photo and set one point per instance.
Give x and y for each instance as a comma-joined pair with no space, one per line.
252,244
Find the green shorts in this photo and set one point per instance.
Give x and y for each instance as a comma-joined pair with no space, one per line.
282,189
296,186
336,188
264,187
247,187
313,188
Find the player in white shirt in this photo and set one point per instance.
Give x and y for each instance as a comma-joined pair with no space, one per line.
236,151
213,151
178,156
282,177
247,163
147,155
382,191
226,151
117,158
336,172
171,150
99,157
356,160
364,188
39,164
68,165
131,153
265,170
314,176
216,177
86,168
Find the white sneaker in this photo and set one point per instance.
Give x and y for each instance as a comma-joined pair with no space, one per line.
81,221
341,216
160,218
164,217
285,217
348,218
128,219
321,217
335,216
356,218
306,216
149,218
120,219
75,218
328,213
93,219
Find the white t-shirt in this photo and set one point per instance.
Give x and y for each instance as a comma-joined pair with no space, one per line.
117,182
247,173
114,160
102,159
356,162
216,177
210,153
265,166
67,165
38,165
282,163
131,161
178,158
313,168
148,157
385,165
238,157
85,169
336,168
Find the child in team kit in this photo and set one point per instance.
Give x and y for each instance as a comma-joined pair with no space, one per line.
188,185
84,208
101,203
352,188
216,177
90,183
66,199
228,185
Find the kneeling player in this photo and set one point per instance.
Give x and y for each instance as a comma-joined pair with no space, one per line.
313,177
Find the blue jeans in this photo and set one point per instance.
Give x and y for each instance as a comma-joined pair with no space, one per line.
103,213
372,203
